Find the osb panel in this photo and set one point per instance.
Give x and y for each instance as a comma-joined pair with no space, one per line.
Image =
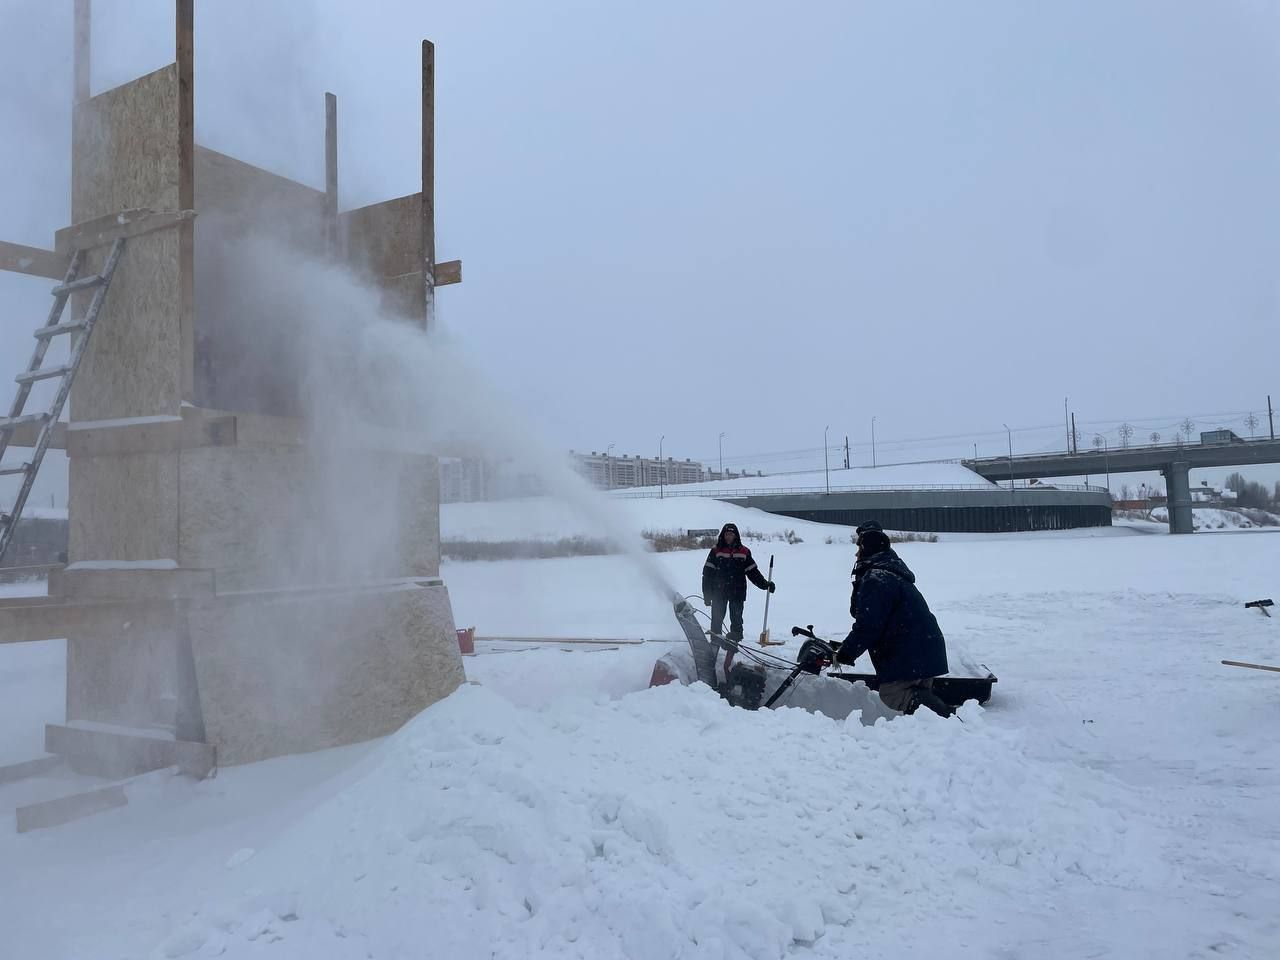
268,517
385,239
248,199
402,296
125,155
124,507
293,674
126,671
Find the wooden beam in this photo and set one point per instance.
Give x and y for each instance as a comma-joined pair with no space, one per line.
331,174
448,272
428,184
126,224
33,261
25,436
53,813
81,51
185,55
28,619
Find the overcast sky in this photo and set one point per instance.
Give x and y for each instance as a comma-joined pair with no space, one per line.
685,218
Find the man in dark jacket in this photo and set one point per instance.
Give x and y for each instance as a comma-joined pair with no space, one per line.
892,620
724,581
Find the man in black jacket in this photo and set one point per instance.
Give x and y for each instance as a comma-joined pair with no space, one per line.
724,581
893,622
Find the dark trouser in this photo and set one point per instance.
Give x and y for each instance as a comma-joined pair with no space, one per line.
906,696
718,606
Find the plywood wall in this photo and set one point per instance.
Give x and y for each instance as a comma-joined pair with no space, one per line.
125,155
384,245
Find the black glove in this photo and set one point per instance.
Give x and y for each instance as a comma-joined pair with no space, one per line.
772,586
847,652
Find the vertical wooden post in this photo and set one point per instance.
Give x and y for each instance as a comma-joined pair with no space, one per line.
82,50
184,54
428,183
331,175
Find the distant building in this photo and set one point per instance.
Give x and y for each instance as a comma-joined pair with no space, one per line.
610,472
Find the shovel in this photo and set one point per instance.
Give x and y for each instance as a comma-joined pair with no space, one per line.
764,633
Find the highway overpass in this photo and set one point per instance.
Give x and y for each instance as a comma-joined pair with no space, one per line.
1173,461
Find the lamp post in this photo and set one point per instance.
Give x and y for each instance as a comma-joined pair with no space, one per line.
1010,435
608,461
826,460
722,456
662,470
873,443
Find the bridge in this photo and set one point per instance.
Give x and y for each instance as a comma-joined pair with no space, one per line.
1173,461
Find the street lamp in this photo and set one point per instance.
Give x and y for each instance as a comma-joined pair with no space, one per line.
608,462
662,469
873,443
826,459
1010,434
722,456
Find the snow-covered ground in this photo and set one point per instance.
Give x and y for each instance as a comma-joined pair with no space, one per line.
1116,799
1213,518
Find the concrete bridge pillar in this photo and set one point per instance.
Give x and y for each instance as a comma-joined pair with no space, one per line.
1178,481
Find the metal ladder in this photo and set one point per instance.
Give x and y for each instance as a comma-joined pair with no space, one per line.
53,327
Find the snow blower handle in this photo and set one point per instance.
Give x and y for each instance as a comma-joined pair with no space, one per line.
764,630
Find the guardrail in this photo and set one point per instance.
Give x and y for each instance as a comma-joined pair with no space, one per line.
1093,451
676,490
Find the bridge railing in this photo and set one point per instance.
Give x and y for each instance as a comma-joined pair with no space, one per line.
1020,488
1093,451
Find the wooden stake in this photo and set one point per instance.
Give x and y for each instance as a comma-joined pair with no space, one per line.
82,50
428,184
184,54
331,174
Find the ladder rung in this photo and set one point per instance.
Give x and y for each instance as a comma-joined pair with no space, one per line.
8,423
71,326
10,471
84,283
48,373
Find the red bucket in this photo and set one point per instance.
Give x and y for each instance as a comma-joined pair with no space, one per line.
467,641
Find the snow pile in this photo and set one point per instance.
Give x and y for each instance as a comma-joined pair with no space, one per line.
1209,518
596,831
942,473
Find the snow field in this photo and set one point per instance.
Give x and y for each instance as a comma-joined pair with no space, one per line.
1116,799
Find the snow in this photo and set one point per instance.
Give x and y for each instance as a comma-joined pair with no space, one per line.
1209,518
545,518
942,473
124,565
1115,799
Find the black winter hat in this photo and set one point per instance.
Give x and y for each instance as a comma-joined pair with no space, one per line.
871,538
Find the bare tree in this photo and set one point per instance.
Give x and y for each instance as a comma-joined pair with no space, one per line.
1126,492
1097,440
1252,423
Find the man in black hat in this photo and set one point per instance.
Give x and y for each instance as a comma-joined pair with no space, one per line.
893,622
724,581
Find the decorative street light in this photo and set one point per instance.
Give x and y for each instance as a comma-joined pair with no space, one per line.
873,442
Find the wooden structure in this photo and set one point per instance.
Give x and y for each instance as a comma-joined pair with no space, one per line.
211,610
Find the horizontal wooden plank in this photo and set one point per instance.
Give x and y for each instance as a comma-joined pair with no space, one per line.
115,226
33,261
53,813
27,619
26,434
450,271
13,772
119,752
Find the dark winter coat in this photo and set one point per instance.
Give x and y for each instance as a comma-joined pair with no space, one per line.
893,621
727,570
